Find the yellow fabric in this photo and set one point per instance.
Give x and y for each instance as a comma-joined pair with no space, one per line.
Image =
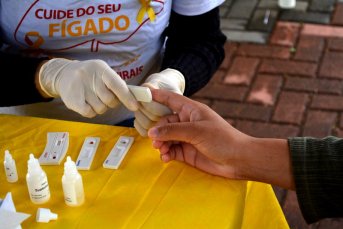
142,193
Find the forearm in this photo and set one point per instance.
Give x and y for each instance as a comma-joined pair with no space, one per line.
312,167
268,161
195,47
19,86
318,176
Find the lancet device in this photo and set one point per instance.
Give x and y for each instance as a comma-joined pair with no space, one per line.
87,153
118,152
142,94
56,148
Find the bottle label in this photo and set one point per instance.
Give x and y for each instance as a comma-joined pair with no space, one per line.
69,193
39,190
11,172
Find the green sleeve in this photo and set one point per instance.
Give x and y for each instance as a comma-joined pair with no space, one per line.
318,176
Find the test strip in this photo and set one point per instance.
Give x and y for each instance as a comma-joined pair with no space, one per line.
118,152
142,94
87,153
56,148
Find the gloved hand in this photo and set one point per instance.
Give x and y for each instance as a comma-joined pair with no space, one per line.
86,87
149,113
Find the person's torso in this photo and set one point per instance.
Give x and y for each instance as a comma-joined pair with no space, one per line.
83,30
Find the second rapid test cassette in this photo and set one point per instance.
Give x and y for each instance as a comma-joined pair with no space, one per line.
87,153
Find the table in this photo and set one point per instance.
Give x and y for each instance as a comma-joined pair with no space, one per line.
143,193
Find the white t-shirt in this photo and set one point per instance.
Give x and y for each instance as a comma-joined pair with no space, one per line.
84,30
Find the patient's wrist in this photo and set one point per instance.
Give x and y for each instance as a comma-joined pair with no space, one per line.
268,161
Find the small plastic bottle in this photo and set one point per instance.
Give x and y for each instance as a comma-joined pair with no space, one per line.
72,184
287,4
10,168
37,182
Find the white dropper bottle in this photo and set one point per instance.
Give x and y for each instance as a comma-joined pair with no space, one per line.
10,168
72,184
37,182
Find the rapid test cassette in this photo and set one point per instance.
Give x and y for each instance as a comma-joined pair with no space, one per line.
87,153
118,152
142,94
56,148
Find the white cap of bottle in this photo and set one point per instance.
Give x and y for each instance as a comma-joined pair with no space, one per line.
8,156
44,215
70,169
33,165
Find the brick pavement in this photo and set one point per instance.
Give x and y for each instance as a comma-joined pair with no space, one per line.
245,20
290,86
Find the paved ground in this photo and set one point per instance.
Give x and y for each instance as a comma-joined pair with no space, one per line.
290,86
246,20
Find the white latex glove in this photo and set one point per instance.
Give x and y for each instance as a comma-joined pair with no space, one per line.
86,87
149,113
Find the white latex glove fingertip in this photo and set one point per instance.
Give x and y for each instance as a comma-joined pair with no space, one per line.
133,105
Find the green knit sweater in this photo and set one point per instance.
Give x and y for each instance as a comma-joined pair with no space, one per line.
318,176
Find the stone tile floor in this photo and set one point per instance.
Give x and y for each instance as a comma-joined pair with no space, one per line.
291,85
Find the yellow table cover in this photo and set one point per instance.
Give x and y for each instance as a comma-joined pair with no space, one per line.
143,193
